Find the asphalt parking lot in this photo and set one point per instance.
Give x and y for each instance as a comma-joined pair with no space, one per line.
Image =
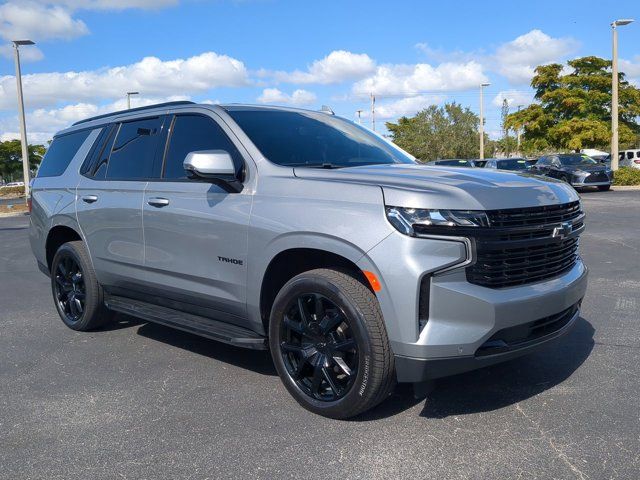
140,400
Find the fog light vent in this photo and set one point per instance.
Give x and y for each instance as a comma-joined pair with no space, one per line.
423,302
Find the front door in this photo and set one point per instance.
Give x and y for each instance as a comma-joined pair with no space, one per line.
196,232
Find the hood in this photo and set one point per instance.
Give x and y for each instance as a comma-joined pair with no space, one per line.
419,186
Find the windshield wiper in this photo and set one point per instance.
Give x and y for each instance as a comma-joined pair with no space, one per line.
316,165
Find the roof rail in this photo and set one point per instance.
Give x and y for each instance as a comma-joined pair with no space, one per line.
137,109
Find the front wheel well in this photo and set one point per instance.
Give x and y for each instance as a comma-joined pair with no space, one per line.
289,263
57,237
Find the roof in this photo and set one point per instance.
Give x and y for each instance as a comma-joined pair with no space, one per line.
133,110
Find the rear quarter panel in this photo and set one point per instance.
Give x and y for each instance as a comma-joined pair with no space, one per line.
53,201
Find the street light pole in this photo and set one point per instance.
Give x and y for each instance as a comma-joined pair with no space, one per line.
614,92
129,99
482,85
373,112
359,112
518,132
23,123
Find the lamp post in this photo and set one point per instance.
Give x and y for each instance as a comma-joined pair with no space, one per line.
23,123
518,131
129,98
614,91
482,85
373,112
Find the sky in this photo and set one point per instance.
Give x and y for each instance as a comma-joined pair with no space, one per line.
410,54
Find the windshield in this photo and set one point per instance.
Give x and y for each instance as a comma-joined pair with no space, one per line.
577,160
512,164
299,139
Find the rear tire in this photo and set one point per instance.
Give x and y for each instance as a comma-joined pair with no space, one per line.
329,344
604,188
78,296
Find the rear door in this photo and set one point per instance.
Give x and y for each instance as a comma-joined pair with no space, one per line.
109,201
196,231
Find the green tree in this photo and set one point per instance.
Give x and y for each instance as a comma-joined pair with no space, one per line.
11,159
450,131
573,110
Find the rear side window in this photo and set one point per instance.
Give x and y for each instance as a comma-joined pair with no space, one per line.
134,149
193,133
60,153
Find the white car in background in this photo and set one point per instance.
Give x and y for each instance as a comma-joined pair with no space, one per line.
630,158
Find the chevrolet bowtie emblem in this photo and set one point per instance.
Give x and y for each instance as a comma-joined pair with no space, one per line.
562,231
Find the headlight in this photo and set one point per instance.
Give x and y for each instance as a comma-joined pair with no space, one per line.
413,221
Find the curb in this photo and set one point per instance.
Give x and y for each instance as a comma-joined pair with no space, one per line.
14,214
628,188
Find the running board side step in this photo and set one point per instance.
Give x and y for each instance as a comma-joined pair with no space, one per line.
205,327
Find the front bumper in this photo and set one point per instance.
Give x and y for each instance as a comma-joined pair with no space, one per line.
590,184
415,370
462,316
583,181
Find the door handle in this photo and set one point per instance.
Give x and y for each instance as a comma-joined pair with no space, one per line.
90,198
158,202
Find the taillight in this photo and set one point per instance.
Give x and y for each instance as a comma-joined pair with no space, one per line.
637,161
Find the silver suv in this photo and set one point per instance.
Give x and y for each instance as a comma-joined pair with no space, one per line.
308,235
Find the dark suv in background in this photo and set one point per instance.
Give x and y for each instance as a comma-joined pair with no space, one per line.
576,169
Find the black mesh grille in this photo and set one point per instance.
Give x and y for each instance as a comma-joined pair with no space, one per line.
597,177
520,246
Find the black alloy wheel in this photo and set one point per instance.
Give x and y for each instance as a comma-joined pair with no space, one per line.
70,290
318,348
77,294
329,343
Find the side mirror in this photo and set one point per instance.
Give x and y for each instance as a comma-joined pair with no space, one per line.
214,165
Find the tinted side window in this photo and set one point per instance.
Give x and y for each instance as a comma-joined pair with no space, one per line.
60,153
96,150
134,149
629,155
192,133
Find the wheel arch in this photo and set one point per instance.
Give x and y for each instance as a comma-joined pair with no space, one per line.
57,236
292,260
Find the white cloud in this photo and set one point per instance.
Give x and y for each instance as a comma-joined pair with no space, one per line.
408,106
631,69
517,59
336,67
28,54
150,76
35,21
298,97
403,79
514,99
115,4
42,20
43,123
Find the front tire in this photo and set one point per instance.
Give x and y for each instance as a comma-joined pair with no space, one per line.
329,344
77,294
604,188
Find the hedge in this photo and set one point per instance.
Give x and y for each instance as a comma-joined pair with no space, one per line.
627,176
11,191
